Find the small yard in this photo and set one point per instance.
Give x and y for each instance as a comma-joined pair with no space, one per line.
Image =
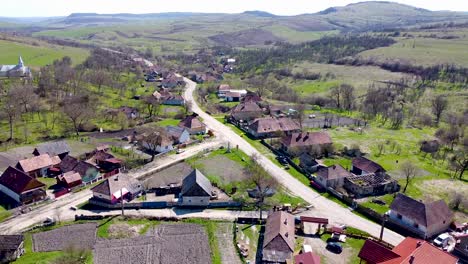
248,236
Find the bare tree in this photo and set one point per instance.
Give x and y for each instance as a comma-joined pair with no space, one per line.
335,93
456,201
152,138
152,105
380,147
459,163
301,114
11,110
78,109
265,184
408,169
439,104
348,96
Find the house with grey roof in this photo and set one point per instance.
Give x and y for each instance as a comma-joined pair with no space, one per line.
15,71
113,189
11,247
196,190
56,148
423,219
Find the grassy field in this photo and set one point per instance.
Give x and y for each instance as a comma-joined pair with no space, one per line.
359,77
425,50
4,214
39,55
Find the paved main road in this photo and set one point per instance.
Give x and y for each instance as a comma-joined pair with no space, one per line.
322,206
61,207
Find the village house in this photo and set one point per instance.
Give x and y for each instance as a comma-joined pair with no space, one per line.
21,187
423,219
171,81
370,184
306,258
88,171
11,247
409,251
246,111
114,188
38,166
223,89
193,124
130,112
196,190
69,179
232,96
461,246
269,127
160,142
104,161
332,177
56,148
314,143
167,98
180,135
252,97
309,163
15,71
279,238
361,166
68,163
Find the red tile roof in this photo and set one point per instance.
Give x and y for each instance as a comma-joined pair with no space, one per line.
191,122
70,177
282,224
409,251
19,181
307,258
374,253
366,165
307,139
35,163
247,106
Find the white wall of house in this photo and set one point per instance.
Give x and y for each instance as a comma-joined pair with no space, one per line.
10,193
160,149
184,137
403,220
195,201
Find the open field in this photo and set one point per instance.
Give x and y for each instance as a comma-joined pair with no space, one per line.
359,77
167,243
425,50
38,55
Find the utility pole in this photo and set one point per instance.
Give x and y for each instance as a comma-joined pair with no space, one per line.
384,219
122,200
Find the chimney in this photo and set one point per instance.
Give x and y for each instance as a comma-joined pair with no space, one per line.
286,235
286,221
418,244
411,259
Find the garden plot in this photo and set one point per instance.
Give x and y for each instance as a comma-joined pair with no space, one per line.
80,235
226,169
166,243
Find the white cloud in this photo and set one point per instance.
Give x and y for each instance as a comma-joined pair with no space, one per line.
42,8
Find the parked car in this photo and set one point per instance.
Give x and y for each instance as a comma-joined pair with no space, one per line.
442,240
73,208
282,160
334,247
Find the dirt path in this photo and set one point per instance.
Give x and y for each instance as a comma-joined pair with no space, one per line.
226,246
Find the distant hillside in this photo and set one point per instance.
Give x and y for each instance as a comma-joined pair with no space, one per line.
359,16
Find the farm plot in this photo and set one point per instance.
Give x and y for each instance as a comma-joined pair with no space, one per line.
80,235
166,243
319,120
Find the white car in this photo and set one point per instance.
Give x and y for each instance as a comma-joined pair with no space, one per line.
442,240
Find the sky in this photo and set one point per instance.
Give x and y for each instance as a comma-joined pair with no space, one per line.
47,8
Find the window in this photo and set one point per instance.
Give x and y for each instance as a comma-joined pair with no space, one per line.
416,225
399,216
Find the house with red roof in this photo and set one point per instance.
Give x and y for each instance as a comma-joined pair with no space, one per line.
306,142
362,166
423,219
69,179
21,187
193,124
409,251
246,111
38,166
270,127
306,258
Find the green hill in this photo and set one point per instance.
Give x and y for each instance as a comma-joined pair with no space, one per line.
38,53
